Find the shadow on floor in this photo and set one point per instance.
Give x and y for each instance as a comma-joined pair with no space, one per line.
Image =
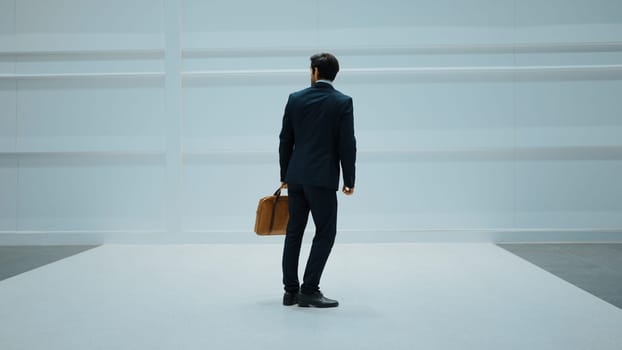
595,268
15,260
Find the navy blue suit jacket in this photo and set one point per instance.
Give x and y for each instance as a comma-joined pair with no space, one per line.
317,136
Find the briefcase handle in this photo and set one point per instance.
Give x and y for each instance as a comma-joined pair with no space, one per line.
276,194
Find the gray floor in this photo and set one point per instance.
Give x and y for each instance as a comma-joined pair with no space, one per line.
595,268
15,260
468,296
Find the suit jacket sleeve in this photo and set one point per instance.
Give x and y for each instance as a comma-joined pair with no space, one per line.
347,144
286,144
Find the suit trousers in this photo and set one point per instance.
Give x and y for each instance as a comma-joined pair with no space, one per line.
322,202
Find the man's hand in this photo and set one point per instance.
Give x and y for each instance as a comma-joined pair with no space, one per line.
347,190
283,185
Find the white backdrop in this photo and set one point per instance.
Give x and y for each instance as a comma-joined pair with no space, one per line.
158,121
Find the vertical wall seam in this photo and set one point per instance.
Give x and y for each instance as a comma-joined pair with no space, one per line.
514,131
317,26
17,159
180,133
16,111
172,91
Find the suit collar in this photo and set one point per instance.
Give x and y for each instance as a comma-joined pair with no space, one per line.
323,84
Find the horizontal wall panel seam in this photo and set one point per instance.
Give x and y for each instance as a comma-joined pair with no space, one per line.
84,75
517,229
407,50
190,53
527,153
34,232
416,70
87,52
147,153
413,74
45,43
266,73
552,47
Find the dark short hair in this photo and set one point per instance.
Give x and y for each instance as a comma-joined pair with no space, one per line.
326,64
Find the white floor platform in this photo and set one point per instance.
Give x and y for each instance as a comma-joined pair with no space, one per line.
393,296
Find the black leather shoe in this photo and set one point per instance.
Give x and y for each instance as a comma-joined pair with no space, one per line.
290,299
316,299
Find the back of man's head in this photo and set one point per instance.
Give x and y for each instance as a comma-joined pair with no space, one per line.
326,64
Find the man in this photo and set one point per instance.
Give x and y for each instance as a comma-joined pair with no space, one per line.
317,135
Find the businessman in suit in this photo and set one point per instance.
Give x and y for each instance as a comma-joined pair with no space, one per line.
316,137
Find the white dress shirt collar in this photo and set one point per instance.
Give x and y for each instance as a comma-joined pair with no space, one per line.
324,81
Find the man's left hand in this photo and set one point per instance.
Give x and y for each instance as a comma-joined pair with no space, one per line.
348,191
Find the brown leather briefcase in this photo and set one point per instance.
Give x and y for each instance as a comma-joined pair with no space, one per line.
272,215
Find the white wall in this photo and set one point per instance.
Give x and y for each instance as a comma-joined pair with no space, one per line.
158,121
